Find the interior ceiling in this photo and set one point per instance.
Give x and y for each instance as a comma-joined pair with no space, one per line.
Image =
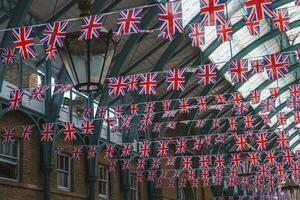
149,52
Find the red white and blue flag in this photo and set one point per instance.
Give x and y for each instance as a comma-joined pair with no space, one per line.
170,19
212,12
47,132
294,90
39,92
87,127
276,65
197,34
117,86
259,9
15,100
207,74
129,21
26,132
76,153
239,70
54,34
176,79
224,32
180,146
162,148
281,19
132,83
8,55
253,26
90,27
145,149
268,105
8,135
257,66
69,131
24,42
148,83
255,96
92,151
109,151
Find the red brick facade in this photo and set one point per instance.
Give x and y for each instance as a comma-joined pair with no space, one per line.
29,186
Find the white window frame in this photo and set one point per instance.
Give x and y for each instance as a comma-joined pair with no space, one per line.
134,188
104,181
9,157
68,172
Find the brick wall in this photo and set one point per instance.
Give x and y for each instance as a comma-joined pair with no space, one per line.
30,183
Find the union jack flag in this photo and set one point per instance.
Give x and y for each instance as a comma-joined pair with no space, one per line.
8,56
253,158
215,123
236,98
201,102
271,157
101,112
149,107
58,150
119,110
207,74
39,92
255,96
141,164
109,151
276,65
294,102
197,34
232,123
239,70
62,88
117,86
134,108
224,32
90,27
253,26
268,105
132,83
171,161
236,159
282,139
87,127
148,83
15,100
145,149
240,108
139,176
184,106
281,118
24,42
47,132
112,165
69,131
262,140
257,66
51,52
288,156
129,21
180,146
8,135
197,143
240,141
265,118
54,34
187,162
170,19
92,151
151,176
259,9
248,121
219,161
26,132
212,12
294,90
76,153
200,123
281,19
171,125
125,164
126,122
126,149
175,79
147,119
156,128
204,161
220,98
162,148
155,163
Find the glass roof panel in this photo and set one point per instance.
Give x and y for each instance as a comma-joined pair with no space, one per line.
190,8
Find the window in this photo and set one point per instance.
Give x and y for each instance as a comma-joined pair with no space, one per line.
9,160
133,194
63,172
103,182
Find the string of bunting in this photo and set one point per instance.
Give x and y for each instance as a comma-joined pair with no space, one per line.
129,21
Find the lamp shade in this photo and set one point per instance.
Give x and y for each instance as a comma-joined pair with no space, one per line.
87,61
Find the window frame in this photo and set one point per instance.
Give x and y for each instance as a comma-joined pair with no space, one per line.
17,158
133,190
58,170
106,181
